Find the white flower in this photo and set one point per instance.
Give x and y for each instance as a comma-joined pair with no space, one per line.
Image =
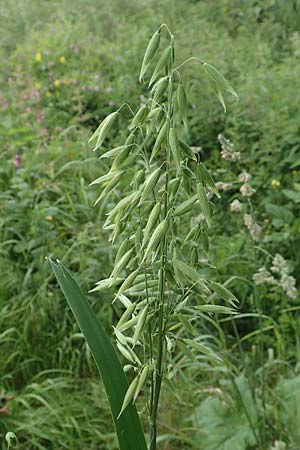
244,177
255,231
227,151
288,285
236,206
263,276
254,228
224,186
279,265
246,190
248,220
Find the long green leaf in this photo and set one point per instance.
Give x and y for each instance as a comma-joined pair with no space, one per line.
128,426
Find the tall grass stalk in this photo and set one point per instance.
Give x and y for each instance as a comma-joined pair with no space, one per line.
157,282
160,226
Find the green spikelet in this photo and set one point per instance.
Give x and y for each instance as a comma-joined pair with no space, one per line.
149,53
103,129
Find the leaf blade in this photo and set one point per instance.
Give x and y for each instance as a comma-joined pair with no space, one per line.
128,426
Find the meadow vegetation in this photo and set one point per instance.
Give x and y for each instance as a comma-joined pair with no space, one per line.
65,67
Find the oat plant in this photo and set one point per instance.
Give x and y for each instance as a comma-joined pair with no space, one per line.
159,225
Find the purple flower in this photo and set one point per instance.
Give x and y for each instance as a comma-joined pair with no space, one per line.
17,161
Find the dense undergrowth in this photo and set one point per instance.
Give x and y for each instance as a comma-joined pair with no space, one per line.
64,68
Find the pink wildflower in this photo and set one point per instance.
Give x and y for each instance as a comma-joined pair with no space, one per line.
17,161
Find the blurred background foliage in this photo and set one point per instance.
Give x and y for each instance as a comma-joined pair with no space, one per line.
65,66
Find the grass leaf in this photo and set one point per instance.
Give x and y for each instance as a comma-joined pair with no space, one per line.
128,426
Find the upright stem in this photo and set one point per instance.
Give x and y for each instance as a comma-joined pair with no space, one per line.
259,307
158,377
159,369
246,411
162,282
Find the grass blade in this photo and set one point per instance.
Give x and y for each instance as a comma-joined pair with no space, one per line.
128,426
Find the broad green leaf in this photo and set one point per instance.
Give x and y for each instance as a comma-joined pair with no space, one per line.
288,391
292,195
128,426
224,427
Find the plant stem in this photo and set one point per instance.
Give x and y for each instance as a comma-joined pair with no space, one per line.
259,306
159,369
246,411
162,282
